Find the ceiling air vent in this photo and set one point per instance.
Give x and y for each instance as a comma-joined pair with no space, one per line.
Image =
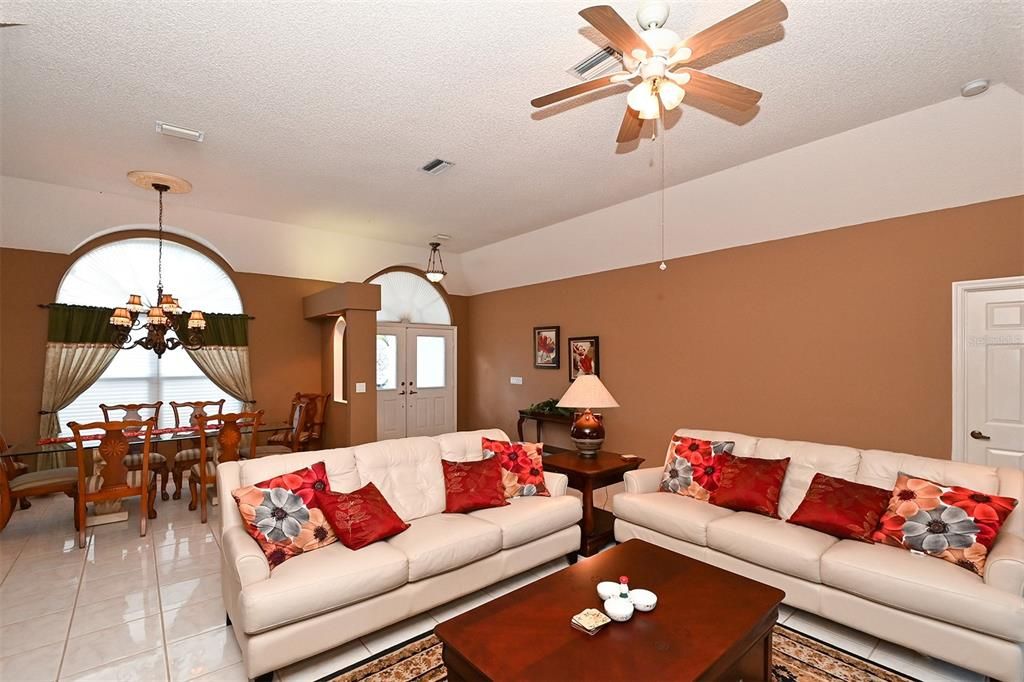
436,167
601,63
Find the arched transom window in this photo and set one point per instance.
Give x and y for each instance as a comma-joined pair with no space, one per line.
106,276
408,297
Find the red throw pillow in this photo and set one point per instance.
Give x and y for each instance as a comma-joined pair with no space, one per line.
842,508
282,515
361,517
693,467
750,484
475,485
523,466
949,522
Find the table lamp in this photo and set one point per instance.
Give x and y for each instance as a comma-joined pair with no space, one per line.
587,432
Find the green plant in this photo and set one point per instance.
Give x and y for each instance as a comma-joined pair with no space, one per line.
549,406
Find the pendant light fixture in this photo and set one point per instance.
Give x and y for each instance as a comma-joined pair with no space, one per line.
165,314
435,266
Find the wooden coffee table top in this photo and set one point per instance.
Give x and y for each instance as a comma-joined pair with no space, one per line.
706,618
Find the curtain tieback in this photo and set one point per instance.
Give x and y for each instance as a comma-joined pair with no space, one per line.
42,412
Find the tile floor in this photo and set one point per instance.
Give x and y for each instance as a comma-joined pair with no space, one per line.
132,608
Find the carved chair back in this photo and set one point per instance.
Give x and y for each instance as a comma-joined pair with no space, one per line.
187,413
232,437
132,411
316,413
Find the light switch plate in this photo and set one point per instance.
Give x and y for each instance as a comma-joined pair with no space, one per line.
360,387
518,381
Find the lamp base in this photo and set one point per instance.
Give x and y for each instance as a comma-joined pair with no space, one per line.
587,433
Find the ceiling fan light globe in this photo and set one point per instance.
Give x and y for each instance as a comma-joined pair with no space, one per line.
650,113
435,277
671,94
642,98
683,54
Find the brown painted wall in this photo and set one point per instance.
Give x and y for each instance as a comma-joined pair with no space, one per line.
284,347
841,336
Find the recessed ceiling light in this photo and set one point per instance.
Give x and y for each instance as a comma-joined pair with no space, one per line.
178,131
441,237
975,87
436,166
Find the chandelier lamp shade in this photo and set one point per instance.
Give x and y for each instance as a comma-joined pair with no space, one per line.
166,324
435,266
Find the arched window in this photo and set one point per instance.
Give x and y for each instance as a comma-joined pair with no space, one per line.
106,276
408,297
338,353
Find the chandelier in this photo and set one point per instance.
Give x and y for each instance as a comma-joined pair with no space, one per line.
166,315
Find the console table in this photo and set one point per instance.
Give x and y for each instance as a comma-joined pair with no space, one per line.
540,418
586,474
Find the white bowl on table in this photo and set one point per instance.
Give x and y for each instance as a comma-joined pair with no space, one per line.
643,600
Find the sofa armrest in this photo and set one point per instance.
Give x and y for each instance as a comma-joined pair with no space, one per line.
1004,568
556,483
643,480
244,555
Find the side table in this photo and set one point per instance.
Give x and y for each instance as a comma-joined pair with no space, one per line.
587,474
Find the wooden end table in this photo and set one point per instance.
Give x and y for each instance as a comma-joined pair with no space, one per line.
541,418
709,624
586,474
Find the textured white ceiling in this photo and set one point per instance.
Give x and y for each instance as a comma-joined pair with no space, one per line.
319,113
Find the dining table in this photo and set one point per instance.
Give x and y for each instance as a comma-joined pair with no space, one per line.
113,511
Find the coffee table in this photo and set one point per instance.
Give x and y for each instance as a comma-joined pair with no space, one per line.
709,624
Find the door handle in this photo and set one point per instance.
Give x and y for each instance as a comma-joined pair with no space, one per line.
402,393
978,435
413,392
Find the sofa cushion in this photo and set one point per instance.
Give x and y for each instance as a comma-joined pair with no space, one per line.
281,522
680,517
361,517
523,465
407,472
880,468
842,508
693,467
441,542
807,459
464,446
919,584
528,518
472,485
339,464
771,543
321,581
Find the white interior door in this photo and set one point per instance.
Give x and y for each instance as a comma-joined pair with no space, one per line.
391,390
993,353
430,376
416,380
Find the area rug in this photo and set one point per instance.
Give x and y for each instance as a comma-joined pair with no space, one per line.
796,658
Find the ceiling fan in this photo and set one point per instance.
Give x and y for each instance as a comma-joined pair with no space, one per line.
658,58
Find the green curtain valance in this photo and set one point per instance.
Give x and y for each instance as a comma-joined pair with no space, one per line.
222,329
78,324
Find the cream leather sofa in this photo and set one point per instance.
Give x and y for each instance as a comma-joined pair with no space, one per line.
920,602
323,599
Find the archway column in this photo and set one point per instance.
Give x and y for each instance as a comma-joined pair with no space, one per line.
353,421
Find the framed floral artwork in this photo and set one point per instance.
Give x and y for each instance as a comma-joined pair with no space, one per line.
545,348
583,356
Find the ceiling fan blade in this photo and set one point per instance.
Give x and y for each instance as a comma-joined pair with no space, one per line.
757,17
630,128
586,86
722,91
615,29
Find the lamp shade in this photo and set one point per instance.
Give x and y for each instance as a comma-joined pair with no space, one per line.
587,391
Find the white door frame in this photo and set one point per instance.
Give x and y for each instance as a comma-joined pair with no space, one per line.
960,291
455,354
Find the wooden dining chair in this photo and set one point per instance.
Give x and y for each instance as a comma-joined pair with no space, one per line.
14,468
187,413
227,445
110,479
17,487
312,430
292,432
133,460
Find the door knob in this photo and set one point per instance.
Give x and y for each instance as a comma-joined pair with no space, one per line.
402,393
413,392
978,435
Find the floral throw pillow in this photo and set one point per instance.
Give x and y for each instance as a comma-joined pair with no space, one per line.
952,523
281,522
522,464
693,467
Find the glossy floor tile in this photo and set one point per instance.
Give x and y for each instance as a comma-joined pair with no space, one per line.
130,608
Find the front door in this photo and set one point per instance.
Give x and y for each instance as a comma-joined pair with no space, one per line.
994,376
416,380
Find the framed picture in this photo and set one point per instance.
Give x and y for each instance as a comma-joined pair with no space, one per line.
583,356
545,348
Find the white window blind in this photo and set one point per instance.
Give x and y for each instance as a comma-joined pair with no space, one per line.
106,276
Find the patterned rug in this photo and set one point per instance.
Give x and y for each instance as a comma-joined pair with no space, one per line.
797,658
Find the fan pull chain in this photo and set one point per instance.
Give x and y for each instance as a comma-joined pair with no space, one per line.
661,118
